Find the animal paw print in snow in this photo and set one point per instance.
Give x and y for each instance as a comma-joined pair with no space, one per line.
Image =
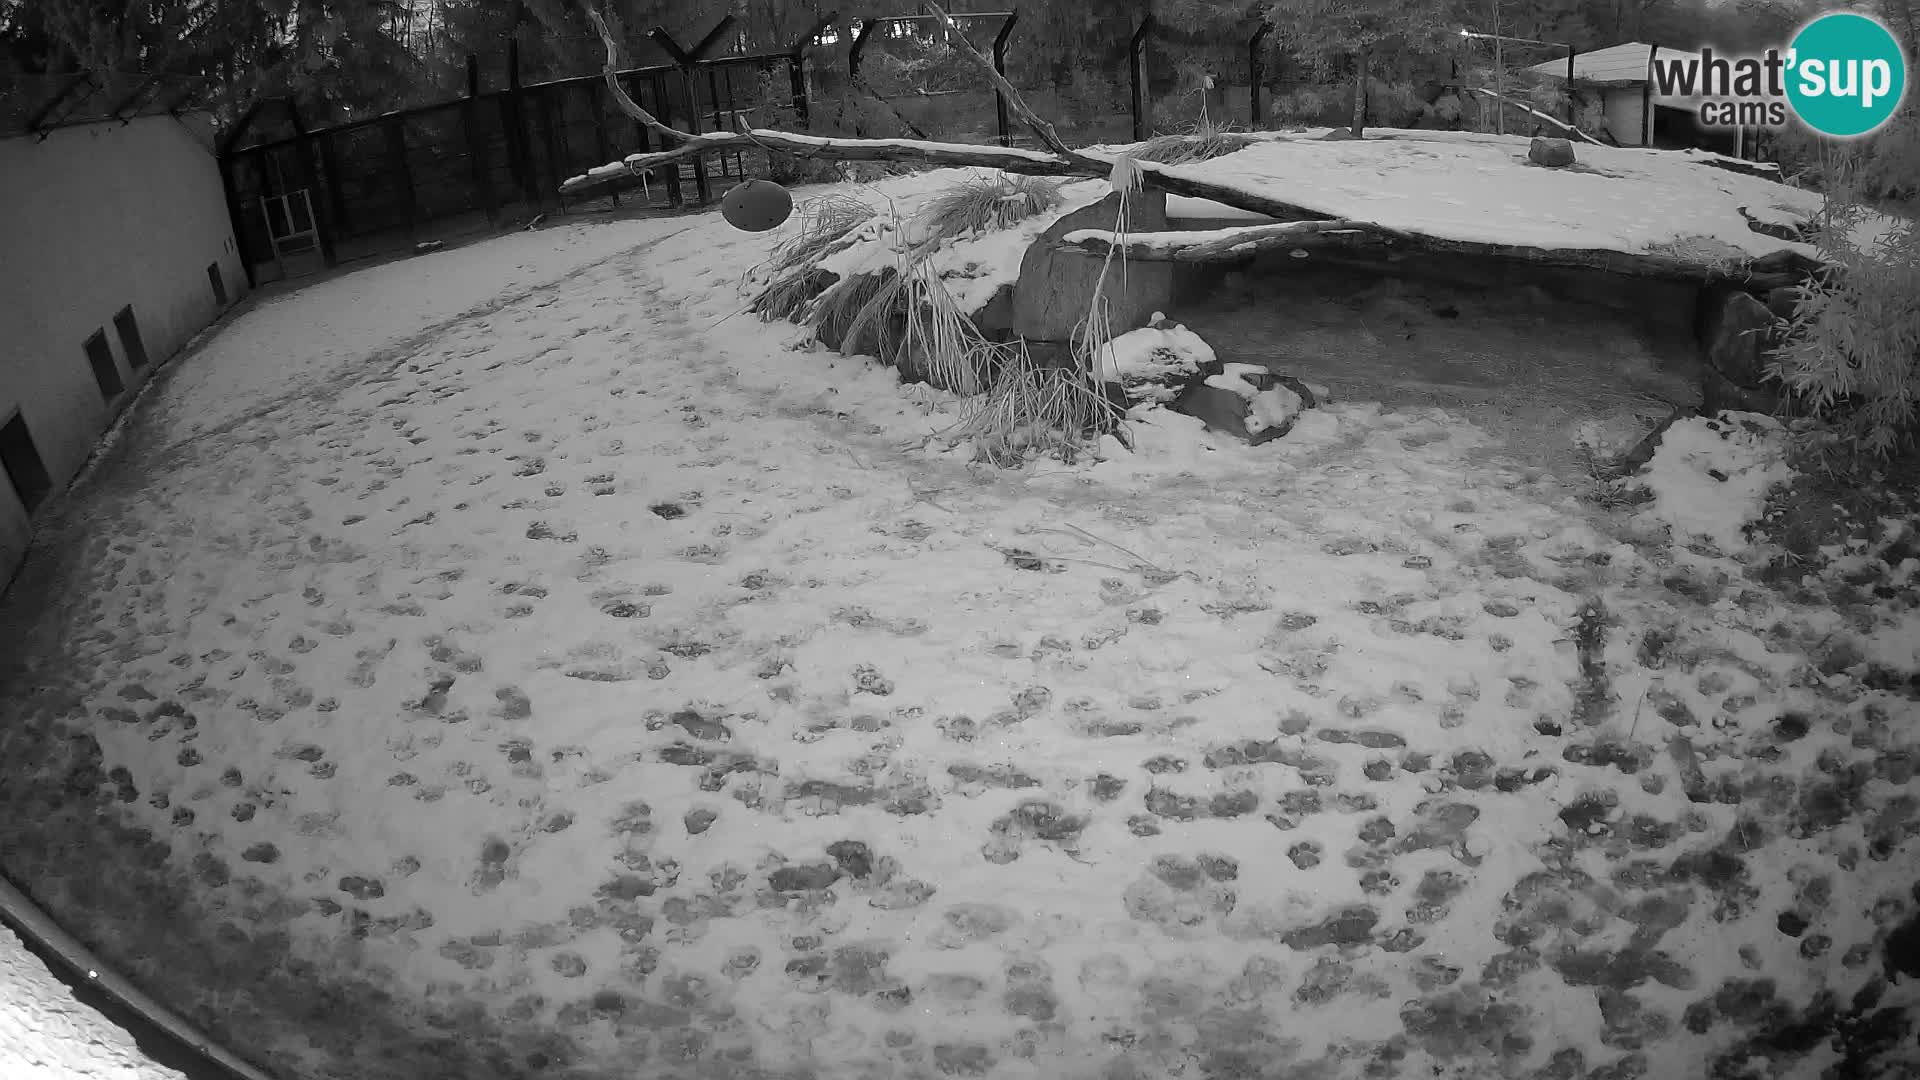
868,680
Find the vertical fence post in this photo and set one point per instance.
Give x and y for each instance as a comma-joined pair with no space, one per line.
687,61
1573,113
1136,71
797,68
309,164
556,145
597,110
702,183
718,117
670,172
1646,98
336,183
234,219
1257,75
478,165
514,119
867,28
396,132
641,131
1000,65
797,81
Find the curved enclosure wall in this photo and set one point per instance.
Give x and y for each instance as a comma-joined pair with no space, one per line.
110,239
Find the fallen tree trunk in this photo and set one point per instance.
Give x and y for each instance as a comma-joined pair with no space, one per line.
1784,267
1296,226
1011,159
1529,110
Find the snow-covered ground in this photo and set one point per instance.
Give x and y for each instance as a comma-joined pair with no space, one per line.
46,1035
570,676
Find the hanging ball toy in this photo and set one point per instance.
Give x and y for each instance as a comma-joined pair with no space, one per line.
756,206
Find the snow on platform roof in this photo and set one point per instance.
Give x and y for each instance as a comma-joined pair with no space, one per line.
1617,64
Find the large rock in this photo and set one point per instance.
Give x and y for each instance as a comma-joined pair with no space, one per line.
1056,285
1552,153
1737,336
995,320
1784,302
1721,394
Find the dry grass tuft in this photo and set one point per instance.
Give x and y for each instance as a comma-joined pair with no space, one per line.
826,225
987,203
1030,410
1204,144
847,306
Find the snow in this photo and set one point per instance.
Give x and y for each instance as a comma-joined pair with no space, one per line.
1146,360
1711,475
972,267
1187,208
1273,408
1476,187
523,628
45,1034
391,304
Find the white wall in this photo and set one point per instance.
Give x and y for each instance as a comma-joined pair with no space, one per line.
94,218
1625,116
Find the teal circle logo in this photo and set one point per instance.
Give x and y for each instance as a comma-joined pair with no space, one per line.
1846,74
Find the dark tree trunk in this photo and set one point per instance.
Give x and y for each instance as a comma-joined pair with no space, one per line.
1360,91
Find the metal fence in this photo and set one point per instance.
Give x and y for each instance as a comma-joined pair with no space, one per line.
390,183
495,157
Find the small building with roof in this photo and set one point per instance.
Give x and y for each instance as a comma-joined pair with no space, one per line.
1619,80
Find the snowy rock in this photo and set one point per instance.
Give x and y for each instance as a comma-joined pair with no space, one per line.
1056,285
1158,362
1248,402
995,320
1711,475
1552,153
1642,452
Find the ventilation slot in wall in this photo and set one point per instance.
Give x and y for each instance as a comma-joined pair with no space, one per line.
130,343
20,460
104,373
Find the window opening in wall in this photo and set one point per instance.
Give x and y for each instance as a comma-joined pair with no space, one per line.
104,373
20,460
219,286
130,343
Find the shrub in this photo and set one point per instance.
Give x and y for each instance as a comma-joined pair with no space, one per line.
1303,107
1852,351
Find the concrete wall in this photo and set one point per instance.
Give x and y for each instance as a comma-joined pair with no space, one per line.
95,218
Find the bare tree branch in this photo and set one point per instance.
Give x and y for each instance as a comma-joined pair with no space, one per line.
627,104
1017,104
